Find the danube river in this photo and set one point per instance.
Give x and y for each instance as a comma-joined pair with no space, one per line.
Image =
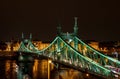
10,69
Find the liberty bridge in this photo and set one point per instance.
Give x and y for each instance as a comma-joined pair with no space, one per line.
68,50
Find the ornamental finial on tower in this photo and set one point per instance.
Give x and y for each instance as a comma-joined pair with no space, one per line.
75,26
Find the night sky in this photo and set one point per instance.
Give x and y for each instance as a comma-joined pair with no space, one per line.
97,19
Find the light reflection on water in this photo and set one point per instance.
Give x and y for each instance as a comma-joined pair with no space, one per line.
12,71
38,70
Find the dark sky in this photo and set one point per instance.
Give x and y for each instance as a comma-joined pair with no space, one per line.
97,19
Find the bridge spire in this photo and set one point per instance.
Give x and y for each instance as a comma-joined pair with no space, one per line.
75,26
22,36
30,36
59,29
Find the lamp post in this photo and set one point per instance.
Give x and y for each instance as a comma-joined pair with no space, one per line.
49,62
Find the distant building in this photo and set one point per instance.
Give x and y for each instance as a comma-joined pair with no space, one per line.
12,46
95,45
105,47
40,45
15,46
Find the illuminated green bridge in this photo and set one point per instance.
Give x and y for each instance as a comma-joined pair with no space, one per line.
68,49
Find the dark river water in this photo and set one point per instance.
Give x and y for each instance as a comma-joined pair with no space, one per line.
10,69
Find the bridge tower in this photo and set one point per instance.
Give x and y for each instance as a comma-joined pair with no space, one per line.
69,37
23,37
21,56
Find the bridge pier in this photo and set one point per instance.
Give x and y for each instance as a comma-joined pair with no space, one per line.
25,62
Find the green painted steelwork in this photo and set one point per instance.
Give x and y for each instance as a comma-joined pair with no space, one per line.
93,54
69,49
60,50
